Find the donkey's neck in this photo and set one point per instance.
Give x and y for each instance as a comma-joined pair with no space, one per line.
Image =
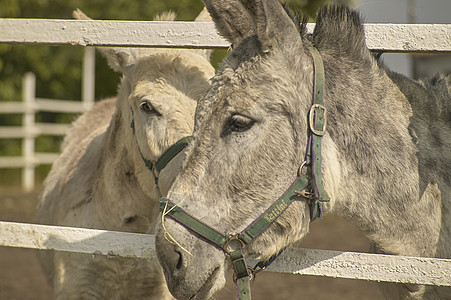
378,189
124,186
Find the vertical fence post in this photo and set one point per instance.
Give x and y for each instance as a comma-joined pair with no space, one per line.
88,85
28,94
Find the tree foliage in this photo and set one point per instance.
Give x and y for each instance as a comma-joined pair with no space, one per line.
58,68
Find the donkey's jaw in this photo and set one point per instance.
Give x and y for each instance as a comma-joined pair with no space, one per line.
189,287
210,286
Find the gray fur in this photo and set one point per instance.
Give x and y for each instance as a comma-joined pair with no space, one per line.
100,180
226,23
386,157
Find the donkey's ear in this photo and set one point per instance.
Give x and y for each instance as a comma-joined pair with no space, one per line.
79,15
274,27
118,58
204,16
232,20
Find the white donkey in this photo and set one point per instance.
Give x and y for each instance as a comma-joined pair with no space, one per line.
106,176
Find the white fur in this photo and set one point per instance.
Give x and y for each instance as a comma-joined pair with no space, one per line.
100,180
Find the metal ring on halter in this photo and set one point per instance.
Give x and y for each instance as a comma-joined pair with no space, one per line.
301,167
251,273
234,243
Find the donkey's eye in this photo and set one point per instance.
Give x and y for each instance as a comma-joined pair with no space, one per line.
240,123
147,107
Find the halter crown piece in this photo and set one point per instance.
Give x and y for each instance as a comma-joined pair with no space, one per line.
306,186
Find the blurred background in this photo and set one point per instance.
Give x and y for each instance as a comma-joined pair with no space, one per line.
59,70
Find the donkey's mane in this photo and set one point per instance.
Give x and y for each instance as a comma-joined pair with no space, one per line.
436,88
430,122
340,30
165,16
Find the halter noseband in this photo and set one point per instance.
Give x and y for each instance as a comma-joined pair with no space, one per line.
306,186
166,157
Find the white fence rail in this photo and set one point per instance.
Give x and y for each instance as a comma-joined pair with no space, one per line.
380,37
353,265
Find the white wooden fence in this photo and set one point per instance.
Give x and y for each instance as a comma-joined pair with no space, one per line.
352,265
29,130
380,37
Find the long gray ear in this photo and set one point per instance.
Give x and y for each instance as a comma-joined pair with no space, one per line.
274,27
118,58
232,20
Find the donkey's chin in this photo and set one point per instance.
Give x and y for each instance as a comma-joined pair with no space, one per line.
199,290
214,282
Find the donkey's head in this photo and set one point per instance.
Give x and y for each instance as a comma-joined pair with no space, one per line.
156,100
250,140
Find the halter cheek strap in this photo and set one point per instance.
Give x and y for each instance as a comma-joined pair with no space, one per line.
317,128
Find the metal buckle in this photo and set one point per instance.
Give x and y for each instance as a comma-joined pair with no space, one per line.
322,131
251,275
233,244
305,194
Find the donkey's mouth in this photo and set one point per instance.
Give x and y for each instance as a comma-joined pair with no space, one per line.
207,289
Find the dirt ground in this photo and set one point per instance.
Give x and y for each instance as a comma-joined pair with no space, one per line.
21,276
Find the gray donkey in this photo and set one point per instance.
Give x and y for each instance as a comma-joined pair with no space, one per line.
385,153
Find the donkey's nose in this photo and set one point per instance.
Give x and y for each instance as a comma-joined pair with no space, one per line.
175,259
171,255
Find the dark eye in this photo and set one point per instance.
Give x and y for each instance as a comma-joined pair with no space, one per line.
147,107
240,123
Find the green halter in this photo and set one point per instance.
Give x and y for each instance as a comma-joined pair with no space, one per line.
233,245
306,186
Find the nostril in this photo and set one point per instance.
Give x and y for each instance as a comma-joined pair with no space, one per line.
180,260
175,259
170,255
